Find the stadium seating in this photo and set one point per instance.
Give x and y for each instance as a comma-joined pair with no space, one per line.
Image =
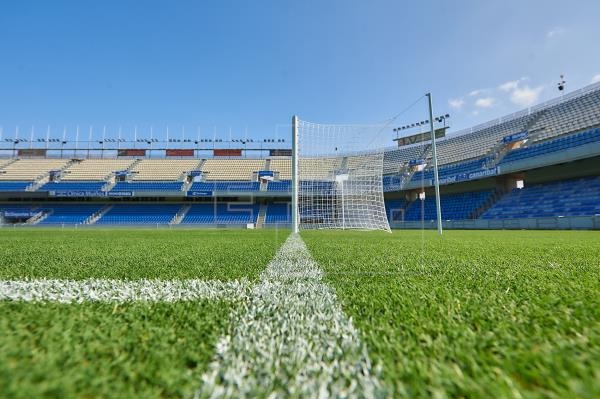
550,146
14,185
222,213
280,186
231,169
225,186
395,209
68,214
393,158
94,169
148,186
283,166
163,169
454,206
575,197
569,116
139,214
30,169
278,213
73,185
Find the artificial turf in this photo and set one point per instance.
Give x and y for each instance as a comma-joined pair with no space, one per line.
472,313
134,254
93,350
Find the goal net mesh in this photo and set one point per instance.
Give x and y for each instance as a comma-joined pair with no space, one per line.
340,171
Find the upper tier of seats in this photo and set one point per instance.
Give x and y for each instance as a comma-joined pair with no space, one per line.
227,169
73,185
148,186
95,169
163,169
283,166
30,169
574,197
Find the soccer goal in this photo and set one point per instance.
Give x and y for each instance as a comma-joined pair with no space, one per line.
337,177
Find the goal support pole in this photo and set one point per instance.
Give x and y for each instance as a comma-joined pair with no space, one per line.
436,176
295,180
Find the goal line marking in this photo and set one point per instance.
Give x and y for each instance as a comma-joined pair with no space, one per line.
100,290
290,338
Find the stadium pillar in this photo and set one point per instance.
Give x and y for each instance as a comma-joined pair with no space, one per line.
295,180
436,176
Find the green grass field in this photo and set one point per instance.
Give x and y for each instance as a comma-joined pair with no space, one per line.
470,314
473,313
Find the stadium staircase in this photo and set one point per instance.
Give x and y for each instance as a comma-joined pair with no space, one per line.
498,151
180,214
263,185
262,214
45,178
96,216
487,205
9,163
407,173
37,218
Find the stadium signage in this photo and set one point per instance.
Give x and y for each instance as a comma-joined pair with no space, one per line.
470,176
266,173
415,162
227,153
131,153
418,138
19,215
120,193
31,152
280,153
76,193
180,153
516,137
199,194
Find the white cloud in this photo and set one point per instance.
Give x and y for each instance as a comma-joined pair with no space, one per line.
596,78
509,86
477,92
456,103
485,102
555,32
526,96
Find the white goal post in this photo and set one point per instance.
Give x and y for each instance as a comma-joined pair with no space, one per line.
337,173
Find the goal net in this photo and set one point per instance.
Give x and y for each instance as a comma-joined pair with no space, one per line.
339,176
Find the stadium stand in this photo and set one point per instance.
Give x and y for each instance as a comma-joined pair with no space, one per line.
280,186
14,185
94,169
454,206
283,166
148,186
163,169
550,146
574,197
229,169
67,214
225,186
30,169
221,213
278,214
73,185
395,209
139,214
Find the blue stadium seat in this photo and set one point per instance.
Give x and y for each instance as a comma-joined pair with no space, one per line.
225,186
68,214
14,185
574,197
139,214
454,206
222,213
73,186
148,186
278,213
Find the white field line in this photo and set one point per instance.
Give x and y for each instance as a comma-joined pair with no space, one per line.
291,339
75,291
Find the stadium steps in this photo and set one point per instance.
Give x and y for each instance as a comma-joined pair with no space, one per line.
109,185
488,204
186,186
263,185
262,214
180,214
45,178
96,216
9,163
268,164
37,218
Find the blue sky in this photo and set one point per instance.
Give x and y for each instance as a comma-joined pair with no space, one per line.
249,66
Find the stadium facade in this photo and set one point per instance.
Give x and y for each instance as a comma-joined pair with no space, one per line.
536,169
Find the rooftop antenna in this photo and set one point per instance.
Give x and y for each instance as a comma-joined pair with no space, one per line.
562,83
